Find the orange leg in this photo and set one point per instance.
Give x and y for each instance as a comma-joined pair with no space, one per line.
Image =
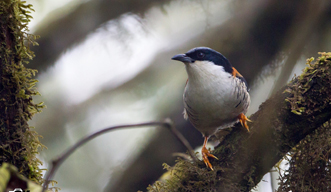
243,120
205,154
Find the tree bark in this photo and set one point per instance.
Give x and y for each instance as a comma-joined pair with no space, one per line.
280,124
18,143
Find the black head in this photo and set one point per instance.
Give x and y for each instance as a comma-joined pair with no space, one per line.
204,54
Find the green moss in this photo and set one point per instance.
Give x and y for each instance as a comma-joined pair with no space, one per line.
18,142
188,176
315,74
309,164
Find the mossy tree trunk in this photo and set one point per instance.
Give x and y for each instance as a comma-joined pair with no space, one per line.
18,143
300,109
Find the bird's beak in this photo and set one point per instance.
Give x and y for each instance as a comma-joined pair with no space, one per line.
183,58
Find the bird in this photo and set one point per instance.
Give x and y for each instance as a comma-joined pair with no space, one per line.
216,95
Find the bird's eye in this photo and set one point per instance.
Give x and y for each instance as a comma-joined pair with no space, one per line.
200,55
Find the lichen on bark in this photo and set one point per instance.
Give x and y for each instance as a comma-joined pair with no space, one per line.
19,144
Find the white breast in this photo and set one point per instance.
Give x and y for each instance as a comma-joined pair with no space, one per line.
213,98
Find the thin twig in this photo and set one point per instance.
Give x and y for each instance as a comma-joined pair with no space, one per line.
55,164
181,139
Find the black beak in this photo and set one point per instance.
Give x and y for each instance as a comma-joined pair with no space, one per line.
183,58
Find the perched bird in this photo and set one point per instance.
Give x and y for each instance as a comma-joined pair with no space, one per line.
215,96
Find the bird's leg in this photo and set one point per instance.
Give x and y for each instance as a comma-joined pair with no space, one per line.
205,154
243,120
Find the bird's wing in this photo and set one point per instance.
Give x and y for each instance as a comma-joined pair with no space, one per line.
184,112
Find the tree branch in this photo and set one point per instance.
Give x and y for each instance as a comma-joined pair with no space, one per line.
56,163
282,121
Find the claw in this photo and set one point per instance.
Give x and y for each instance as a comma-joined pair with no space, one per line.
243,120
205,154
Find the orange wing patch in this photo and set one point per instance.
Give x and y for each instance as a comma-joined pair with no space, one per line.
235,73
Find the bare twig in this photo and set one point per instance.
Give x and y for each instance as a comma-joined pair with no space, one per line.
55,164
181,138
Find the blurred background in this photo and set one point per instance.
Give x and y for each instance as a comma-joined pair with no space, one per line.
107,62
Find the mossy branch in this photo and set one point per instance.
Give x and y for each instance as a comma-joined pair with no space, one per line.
19,144
281,122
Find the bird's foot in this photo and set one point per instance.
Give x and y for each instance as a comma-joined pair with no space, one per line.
243,120
205,154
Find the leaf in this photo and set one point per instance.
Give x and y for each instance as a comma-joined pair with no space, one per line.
11,179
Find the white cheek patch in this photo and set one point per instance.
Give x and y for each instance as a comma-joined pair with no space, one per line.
209,66
206,69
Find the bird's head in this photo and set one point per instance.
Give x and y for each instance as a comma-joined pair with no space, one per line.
204,60
206,63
